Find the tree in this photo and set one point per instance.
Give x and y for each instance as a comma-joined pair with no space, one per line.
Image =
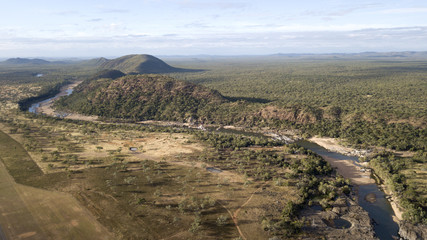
221,220
195,225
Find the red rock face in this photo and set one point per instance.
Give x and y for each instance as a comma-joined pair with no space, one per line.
294,115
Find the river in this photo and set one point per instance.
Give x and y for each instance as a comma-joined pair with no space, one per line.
378,207
370,197
65,91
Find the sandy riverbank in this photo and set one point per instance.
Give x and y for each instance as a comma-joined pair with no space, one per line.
333,144
394,204
347,169
47,108
353,172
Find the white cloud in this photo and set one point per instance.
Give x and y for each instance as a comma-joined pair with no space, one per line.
384,39
404,10
228,4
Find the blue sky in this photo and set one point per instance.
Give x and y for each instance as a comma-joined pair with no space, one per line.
92,28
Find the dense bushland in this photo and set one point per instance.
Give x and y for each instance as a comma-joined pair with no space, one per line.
367,102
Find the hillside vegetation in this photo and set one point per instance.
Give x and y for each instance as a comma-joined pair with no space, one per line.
366,101
21,61
106,73
141,97
379,104
137,64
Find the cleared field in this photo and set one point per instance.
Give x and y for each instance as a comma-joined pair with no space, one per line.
31,213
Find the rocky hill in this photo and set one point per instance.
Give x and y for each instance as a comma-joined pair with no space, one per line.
139,64
95,62
141,97
106,73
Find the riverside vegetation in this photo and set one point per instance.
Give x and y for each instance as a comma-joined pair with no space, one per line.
369,103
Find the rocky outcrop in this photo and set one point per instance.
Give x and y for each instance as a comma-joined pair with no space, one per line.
288,114
410,231
359,224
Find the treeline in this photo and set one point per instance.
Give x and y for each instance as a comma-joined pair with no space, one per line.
45,93
315,181
395,136
411,194
367,102
233,141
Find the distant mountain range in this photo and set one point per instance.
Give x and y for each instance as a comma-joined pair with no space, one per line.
144,63
407,54
18,61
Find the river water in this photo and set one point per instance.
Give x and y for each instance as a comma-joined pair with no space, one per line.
379,210
34,106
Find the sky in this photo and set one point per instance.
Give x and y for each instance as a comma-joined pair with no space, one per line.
109,28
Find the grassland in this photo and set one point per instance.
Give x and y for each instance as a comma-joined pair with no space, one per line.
33,213
162,190
134,197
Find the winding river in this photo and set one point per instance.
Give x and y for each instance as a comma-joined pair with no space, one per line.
67,90
370,197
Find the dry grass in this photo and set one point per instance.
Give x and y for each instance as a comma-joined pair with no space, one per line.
164,171
36,213
417,175
13,92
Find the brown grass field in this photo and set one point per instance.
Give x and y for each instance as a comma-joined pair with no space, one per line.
32,213
157,192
